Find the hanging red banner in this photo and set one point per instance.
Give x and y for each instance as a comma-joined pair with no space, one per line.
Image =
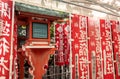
107,49
5,38
116,46
62,36
80,63
66,46
75,46
59,44
94,47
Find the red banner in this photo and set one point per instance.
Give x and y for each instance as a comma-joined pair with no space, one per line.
94,42
59,44
75,46
80,63
116,46
66,46
6,50
107,49
62,37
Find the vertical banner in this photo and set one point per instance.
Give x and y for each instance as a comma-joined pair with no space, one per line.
62,36
107,49
94,47
80,63
116,46
75,45
59,44
6,7
66,38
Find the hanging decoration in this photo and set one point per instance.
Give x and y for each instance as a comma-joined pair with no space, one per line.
66,38
62,43
59,44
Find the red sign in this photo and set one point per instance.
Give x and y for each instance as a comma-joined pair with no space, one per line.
5,39
107,49
95,51
116,46
80,63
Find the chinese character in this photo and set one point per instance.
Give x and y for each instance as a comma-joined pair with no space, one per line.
2,64
5,10
5,44
6,29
